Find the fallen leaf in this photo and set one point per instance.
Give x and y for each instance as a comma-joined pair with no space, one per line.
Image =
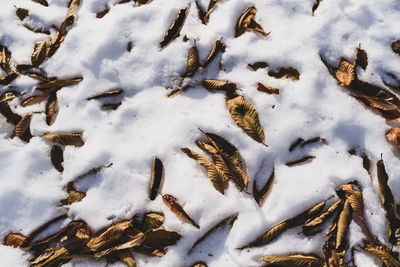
152,220
174,93
258,65
244,20
387,113
22,13
260,195
343,225
267,89
109,106
9,95
295,144
303,160
129,46
287,73
376,93
157,173
51,109
215,174
199,264
393,136
246,117
396,47
219,46
50,257
192,62
58,83
173,204
257,28
68,139
57,158
316,5
313,140
23,125
40,52
361,58
383,253
127,257
11,117
218,85
106,94
14,240
73,195
345,74
175,28
223,223
201,13
101,14
9,78
296,260
42,2
141,2
5,59
211,5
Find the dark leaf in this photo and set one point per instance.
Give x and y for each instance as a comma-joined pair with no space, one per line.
51,109
111,106
296,143
106,94
361,58
244,20
396,47
296,260
258,65
23,125
173,204
22,13
288,73
11,117
157,173
175,28
9,95
57,158
9,78
303,160
42,2
267,89
219,46
260,196
103,13
316,5
152,220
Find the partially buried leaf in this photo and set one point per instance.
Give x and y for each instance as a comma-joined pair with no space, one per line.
387,113
6,111
301,161
42,2
22,125
175,28
59,83
375,92
361,58
68,139
246,117
260,195
9,78
296,143
267,89
296,260
200,12
36,98
73,195
215,174
40,52
14,240
244,20
22,13
174,93
102,13
111,106
316,5
225,222
152,220
345,74
258,65
396,47
106,94
50,257
393,136
211,5
383,253
199,264
192,62
275,231
288,73
57,158
157,173
219,46
218,85
5,59
127,257
343,226
257,28
313,140
8,95
141,2
173,204
51,109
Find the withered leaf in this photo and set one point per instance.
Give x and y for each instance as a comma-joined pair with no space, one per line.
211,5
22,13
157,173
219,46
246,117
127,257
395,88
22,125
244,20
5,59
9,95
173,204
91,172
316,5
192,62
159,239
68,139
42,2
393,136
218,85
287,73
199,264
375,92
303,160
129,46
106,94
102,13
396,47
175,28
174,93
201,12
225,222
367,164
215,174
11,117
313,140
296,143
267,89
40,52
69,19
296,260
275,231
388,204
152,220
9,78
383,253
309,228
258,65
50,257
387,113
58,83
257,28
73,195
57,158
361,58
111,106
51,109
343,225
141,2
260,195
36,98
345,74
14,240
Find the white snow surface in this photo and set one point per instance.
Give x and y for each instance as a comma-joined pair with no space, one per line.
150,124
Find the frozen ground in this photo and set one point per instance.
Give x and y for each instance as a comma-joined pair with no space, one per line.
149,124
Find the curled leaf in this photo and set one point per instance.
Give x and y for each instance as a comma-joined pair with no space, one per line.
57,158
246,117
218,85
201,12
14,240
303,160
219,46
11,117
343,225
68,139
260,196
51,109
157,173
215,174
383,253
175,28
42,2
361,58
244,20
23,125
40,52
345,74
296,260
173,204
267,89
257,28
296,143
258,65
192,62
287,73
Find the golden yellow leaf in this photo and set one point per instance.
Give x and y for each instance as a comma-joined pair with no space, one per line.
296,260
244,20
14,240
192,62
68,139
345,74
51,108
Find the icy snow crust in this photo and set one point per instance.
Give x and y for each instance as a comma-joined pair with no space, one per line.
149,124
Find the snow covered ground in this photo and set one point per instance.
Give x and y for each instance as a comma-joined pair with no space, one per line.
149,124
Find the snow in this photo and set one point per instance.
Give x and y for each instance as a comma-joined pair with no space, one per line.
149,124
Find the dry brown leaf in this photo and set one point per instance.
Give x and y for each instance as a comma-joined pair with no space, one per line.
303,160
9,95
215,174
58,83
173,204
23,125
157,173
227,221
387,113
68,139
316,5
199,264
219,46
141,2
388,204
383,253
127,257
393,136
267,89
296,143
232,158
57,158
260,195
111,106
9,78
313,140
40,52
51,109
296,260
345,74
22,13
192,62
73,195
106,94
244,20
211,5
287,73
50,257
14,240
201,13
36,98
375,92
258,65
218,85
175,28
257,28
11,117
152,220
42,2
5,59
396,47
102,13
174,93
343,226
246,117
361,58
